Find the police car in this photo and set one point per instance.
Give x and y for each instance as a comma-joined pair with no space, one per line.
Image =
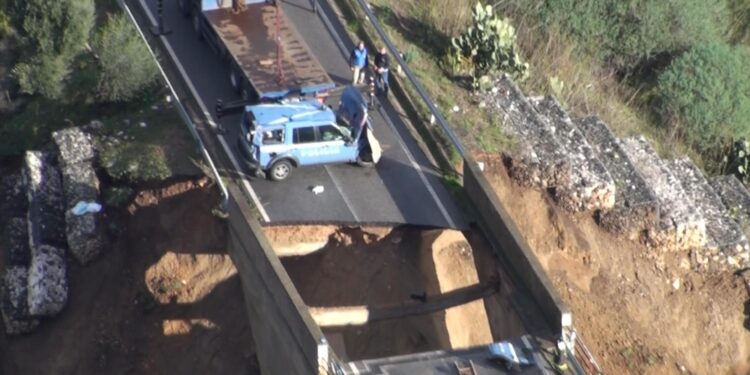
277,137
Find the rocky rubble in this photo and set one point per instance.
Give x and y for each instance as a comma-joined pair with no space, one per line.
726,245
590,187
13,302
48,285
537,158
636,208
681,226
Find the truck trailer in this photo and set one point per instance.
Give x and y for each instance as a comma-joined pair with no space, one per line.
268,59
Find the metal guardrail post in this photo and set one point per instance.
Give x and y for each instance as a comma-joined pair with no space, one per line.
412,78
183,113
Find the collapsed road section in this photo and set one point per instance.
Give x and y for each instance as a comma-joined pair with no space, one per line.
402,189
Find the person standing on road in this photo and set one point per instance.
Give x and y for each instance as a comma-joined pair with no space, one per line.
358,62
381,70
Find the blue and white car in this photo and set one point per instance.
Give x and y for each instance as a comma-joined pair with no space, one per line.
275,138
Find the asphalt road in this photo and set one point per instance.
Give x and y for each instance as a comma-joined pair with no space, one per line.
402,189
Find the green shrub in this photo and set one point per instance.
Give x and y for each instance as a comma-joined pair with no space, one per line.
488,46
43,74
126,65
116,196
737,161
54,33
704,95
627,33
135,162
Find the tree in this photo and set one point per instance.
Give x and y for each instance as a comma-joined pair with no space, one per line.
54,33
126,64
704,95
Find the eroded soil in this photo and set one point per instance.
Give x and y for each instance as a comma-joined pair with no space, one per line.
640,312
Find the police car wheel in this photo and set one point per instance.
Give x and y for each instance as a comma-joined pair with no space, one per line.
280,170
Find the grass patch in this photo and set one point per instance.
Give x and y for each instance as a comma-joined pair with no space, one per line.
149,145
116,196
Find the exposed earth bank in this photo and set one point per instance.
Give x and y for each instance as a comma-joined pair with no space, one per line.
640,311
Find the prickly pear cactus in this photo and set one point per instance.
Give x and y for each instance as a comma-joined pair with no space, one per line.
486,47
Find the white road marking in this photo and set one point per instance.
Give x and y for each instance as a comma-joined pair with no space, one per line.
409,155
245,184
343,196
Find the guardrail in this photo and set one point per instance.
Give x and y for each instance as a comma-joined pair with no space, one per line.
182,112
500,229
441,121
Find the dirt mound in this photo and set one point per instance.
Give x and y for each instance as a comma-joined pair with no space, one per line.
639,312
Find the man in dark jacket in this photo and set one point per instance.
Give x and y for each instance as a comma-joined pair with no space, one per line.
381,70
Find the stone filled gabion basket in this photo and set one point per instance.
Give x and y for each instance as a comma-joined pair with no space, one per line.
13,200
85,238
48,284
80,183
17,242
75,146
13,302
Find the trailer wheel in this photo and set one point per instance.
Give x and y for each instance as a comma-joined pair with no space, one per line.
280,170
197,25
184,7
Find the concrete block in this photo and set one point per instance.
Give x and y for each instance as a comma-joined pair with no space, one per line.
591,187
636,208
725,238
681,226
537,158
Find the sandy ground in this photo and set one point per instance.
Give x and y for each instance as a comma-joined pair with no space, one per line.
640,312
164,299
384,267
